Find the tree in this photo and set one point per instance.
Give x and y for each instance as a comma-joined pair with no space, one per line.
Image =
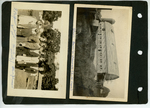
56,41
51,15
53,39
49,82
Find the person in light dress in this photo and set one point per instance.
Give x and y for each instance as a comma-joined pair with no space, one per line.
25,21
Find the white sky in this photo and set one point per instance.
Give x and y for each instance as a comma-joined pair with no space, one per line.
57,25
122,38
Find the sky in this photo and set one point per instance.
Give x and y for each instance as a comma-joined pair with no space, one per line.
57,25
122,38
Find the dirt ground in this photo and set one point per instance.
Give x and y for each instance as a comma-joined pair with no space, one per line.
24,80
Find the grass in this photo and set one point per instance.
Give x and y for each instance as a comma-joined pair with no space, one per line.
85,71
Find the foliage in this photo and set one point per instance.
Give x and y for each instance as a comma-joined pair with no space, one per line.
53,40
53,46
51,15
49,82
85,71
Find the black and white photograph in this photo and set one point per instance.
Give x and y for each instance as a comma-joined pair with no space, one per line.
100,52
37,50
38,44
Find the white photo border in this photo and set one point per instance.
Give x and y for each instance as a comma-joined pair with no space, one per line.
61,93
125,99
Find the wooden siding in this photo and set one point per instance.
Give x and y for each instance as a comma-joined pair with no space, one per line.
106,55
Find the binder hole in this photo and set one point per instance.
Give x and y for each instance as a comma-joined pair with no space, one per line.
140,52
139,15
140,89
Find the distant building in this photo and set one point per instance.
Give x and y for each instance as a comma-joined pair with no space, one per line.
106,56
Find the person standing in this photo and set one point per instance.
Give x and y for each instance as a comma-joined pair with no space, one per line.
24,59
31,39
27,32
27,52
22,65
25,21
33,46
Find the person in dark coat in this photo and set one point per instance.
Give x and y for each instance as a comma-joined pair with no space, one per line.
33,46
26,52
31,70
31,39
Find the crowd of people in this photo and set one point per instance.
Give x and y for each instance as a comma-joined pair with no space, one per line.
35,46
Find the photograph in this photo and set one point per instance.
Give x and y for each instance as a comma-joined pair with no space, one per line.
38,43
100,52
37,50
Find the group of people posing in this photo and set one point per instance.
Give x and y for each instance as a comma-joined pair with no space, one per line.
32,49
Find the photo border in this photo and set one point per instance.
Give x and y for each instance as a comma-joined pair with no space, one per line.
125,99
61,93
138,70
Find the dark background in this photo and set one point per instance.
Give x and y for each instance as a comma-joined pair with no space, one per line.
138,70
